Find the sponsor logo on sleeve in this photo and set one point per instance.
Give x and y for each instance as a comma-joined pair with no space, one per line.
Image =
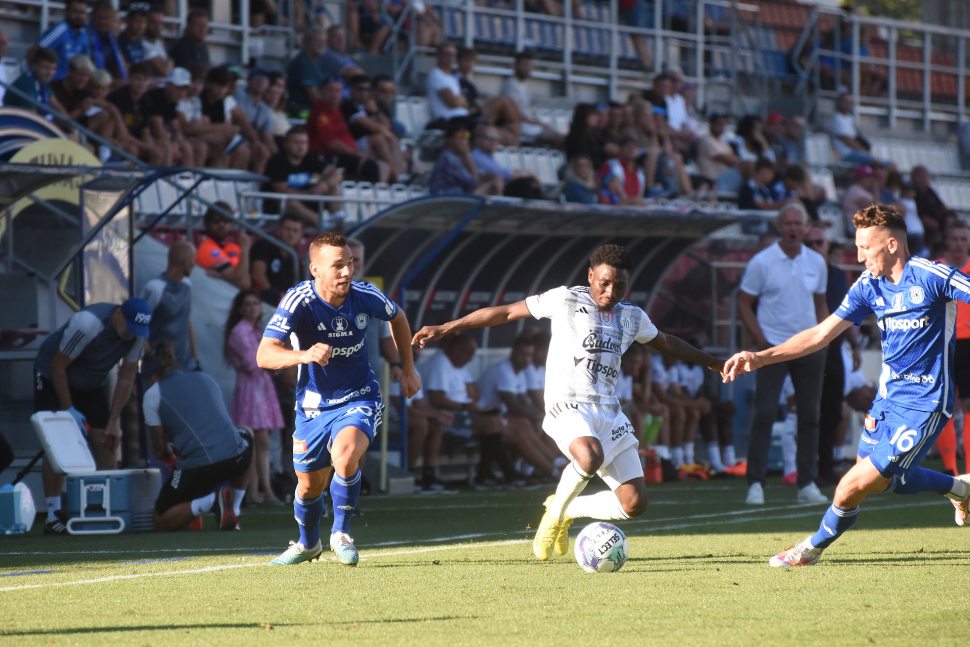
299,447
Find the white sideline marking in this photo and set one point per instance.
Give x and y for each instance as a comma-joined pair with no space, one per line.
428,549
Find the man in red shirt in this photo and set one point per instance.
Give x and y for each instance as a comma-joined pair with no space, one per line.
330,135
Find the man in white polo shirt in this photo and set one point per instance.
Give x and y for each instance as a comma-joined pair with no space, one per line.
788,280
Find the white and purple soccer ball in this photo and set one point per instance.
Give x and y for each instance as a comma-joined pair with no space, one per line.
602,548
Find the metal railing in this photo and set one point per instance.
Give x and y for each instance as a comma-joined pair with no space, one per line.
925,67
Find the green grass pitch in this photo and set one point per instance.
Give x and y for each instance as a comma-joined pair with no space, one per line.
459,570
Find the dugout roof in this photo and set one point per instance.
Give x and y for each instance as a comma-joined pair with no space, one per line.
443,257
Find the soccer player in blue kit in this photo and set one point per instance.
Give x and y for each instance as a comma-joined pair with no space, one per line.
338,400
914,301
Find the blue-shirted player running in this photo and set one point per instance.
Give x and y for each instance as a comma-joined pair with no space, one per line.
338,401
914,301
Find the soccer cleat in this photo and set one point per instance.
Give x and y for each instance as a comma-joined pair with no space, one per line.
811,494
756,494
801,554
562,539
225,516
297,553
196,524
343,546
961,508
547,535
58,526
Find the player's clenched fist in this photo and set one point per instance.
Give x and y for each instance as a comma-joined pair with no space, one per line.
319,353
739,365
428,333
410,383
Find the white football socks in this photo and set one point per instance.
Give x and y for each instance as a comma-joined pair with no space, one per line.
203,504
727,456
662,451
677,456
237,499
789,447
602,505
688,453
959,490
53,505
571,483
714,457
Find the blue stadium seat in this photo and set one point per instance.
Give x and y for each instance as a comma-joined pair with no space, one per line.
453,23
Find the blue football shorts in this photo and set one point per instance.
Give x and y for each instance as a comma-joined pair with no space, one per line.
313,437
896,440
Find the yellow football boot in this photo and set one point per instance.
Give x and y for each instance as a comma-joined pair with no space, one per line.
562,539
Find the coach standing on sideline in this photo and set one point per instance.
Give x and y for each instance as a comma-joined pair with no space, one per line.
789,281
72,367
170,296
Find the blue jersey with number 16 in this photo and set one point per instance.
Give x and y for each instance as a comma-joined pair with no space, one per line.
917,320
305,319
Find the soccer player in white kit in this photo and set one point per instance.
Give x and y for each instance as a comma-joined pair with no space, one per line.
591,329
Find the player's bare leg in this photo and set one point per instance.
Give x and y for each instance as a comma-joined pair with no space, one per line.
587,453
307,509
346,452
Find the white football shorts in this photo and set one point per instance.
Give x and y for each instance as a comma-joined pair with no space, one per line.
567,421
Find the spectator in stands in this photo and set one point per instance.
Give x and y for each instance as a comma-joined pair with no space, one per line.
191,47
190,430
368,24
219,256
131,41
792,141
262,12
426,429
165,127
789,281
484,143
329,134
425,22
132,102
504,394
35,83
514,88
675,105
105,51
335,61
450,387
445,98
663,164
170,296
849,145
275,99
220,108
585,134
580,182
104,119
929,206
859,195
254,404
304,74
249,99
67,38
372,130
273,268
385,94
196,125
751,144
72,90
500,111
455,171
756,193
902,195
298,171
716,159
639,13
797,182
773,131
621,181
3,70
153,46
72,368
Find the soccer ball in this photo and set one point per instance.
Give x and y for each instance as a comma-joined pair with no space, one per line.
601,548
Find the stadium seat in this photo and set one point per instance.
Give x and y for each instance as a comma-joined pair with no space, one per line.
503,156
402,112
206,191
832,213
365,191
226,191
383,194
818,150
823,178
420,114
149,203
169,194
399,193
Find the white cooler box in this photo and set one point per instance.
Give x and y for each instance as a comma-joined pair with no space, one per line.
105,502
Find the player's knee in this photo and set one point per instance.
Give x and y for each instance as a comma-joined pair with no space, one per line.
590,458
635,506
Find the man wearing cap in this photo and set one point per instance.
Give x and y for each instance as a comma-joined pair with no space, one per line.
191,47
250,100
72,367
218,255
164,125
859,195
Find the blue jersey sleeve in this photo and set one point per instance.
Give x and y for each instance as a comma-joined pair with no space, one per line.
855,306
287,316
374,302
957,287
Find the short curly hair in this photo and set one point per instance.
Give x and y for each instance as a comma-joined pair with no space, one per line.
327,239
880,216
612,255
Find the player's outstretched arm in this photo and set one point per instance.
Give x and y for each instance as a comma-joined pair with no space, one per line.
678,348
804,343
273,355
401,333
484,318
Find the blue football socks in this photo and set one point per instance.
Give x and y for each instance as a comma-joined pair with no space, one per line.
308,513
344,493
922,480
835,522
